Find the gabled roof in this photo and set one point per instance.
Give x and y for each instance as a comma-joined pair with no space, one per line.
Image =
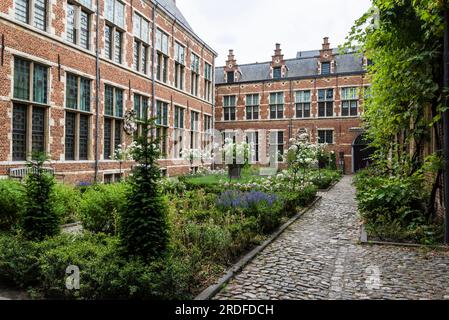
304,65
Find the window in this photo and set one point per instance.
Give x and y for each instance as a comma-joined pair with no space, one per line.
141,40
162,126
141,110
229,108
230,77
302,102
252,107
277,73
113,43
366,92
195,75
207,81
194,130
78,18
276,146
178,132
208,133
30,92
325,68
277,105
32,12
252,138
77,127
349,103
326,103
113,123
115,12
179,66
326,136
162,56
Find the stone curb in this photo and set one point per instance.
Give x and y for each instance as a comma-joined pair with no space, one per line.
330,187
211,291
364,241
71,225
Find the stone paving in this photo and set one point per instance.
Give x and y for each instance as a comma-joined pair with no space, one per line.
318,258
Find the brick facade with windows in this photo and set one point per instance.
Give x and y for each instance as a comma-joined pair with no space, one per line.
319,91
48,85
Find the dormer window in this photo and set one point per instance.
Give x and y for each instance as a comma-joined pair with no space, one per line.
230,77
277,73
325,68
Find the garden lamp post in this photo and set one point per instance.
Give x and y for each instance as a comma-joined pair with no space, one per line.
446,123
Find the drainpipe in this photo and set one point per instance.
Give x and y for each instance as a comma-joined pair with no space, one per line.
213,112
153,61
446,124
97,90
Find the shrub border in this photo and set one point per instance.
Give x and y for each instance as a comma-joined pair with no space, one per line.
330,187
363,240
212,290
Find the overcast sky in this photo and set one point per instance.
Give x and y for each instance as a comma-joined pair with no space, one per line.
253,27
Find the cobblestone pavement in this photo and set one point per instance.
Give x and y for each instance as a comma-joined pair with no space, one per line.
318,258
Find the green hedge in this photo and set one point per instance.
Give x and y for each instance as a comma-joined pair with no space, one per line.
12,200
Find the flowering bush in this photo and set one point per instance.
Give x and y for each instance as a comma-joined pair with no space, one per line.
125,153
237,153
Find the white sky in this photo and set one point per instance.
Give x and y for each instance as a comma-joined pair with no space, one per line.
252,27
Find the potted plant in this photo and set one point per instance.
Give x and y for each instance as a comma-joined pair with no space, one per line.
236,157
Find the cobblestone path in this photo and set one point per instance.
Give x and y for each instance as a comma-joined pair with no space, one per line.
318,258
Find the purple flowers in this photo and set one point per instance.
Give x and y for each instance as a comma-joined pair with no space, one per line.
243,200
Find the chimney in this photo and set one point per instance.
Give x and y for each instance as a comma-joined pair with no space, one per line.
278,50
326,44
231,55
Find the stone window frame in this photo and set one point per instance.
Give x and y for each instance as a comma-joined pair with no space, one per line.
208,133
178,131
194,74
326,102
142,113
80,8
195,130
208,75
350,100
326,133
251,106
180,66
30,105
301,103
115,28
78,112
279,106
230,109
162,123
115,118
277,144
256,140
30,14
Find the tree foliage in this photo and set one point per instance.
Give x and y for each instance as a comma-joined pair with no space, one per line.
143,224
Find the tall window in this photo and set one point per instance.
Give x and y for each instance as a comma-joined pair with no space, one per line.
113,120
208,134
326,136
162,126
229,108
252,138
276,146
252,107
277,73
230,77
141,41
302,104
207,81
178,132
195,73
162,56
33,12
194,130
113,34
30,96
180,53
349,104
78,25
325,68
77,118
141,109
326,103
277,105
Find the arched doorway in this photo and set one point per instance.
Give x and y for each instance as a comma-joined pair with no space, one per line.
361,153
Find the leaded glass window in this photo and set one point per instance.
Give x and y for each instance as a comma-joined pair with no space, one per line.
277,105
84,137
40,14
229,108
38,130
19,129
252,107
72,92
325,103
22,10
302,104
21,79
70,119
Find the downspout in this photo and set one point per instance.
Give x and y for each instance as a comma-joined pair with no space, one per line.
213,112
97,90
153,61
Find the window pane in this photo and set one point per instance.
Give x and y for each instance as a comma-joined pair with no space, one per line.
70,136
40,84
136,56
71,31
21,79
109,10
165,43
108,100
345,108
137,108
86,3
119,18
108,42
145,31
85,95
107,138
118,47
84,32
19,126
137,20
22,10
40,14
84,137
118,103
118,134
143,57
325,68
72,92
307,110
277,73
321,109
329,109
38,133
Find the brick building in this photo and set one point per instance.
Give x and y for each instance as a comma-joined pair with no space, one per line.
318,91
149,60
